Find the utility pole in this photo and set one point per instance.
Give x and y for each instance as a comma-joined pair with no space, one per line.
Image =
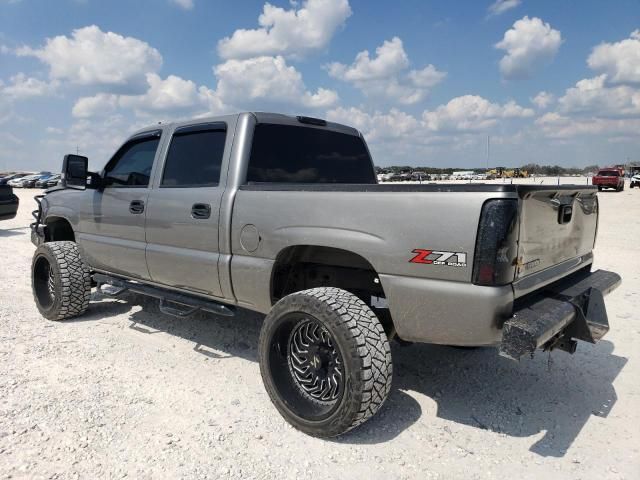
488,150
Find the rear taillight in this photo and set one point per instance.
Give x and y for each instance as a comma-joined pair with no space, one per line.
496,245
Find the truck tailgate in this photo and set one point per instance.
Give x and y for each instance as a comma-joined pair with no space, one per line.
555,225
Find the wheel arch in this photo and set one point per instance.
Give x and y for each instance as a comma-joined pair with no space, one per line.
59,228
304,266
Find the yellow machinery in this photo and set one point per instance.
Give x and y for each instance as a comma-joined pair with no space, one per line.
501,172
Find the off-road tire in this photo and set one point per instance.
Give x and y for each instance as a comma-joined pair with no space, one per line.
69,286
361,342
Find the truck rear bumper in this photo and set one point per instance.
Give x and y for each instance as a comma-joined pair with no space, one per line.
559,314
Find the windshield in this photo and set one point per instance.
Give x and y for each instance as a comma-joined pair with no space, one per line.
293,154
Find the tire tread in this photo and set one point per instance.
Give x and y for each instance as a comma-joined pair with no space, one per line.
370,349
74,280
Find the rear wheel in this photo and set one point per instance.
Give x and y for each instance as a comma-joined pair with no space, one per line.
60,280
325,361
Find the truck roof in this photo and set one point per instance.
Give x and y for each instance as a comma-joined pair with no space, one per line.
261,117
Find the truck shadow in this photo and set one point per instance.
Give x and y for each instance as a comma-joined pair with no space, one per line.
551,395
213,336
554,394
11,232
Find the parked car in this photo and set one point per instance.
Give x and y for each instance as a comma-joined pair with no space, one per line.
8,203
48,181
420,177
53,181
15,176
28,181
635,181
609,178
276,214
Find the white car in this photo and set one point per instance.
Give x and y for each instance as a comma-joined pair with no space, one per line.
19,182
635,181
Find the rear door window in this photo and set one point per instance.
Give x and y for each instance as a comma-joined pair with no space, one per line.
195,157
292,154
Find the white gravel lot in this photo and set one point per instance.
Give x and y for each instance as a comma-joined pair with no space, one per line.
126,391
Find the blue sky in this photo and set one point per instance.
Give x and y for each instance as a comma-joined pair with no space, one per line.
426,81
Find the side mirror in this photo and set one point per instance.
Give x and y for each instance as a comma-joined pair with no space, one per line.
74,171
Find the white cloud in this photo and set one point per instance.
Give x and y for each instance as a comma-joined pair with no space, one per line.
99,105
607,105
592,97
594,108
8,137
555,125
389,60
455,124
171,94
258,83
529,45
377,126
22,87
186,4
6,111
96,138
471,113
500,6
93,57
620,61
293,32
265,82
387,74
543,100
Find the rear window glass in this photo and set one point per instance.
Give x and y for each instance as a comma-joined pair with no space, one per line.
608,173
290,154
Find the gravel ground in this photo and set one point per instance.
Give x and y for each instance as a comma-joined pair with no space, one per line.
126,391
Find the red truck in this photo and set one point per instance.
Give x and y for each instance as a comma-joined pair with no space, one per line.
610,177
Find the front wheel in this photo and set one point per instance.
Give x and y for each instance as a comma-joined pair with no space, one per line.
325,361
60,280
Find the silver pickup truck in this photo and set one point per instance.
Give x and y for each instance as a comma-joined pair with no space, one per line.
283,215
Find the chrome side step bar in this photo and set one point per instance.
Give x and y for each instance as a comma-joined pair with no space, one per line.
171,303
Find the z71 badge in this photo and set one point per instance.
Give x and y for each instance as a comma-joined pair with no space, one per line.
438,257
